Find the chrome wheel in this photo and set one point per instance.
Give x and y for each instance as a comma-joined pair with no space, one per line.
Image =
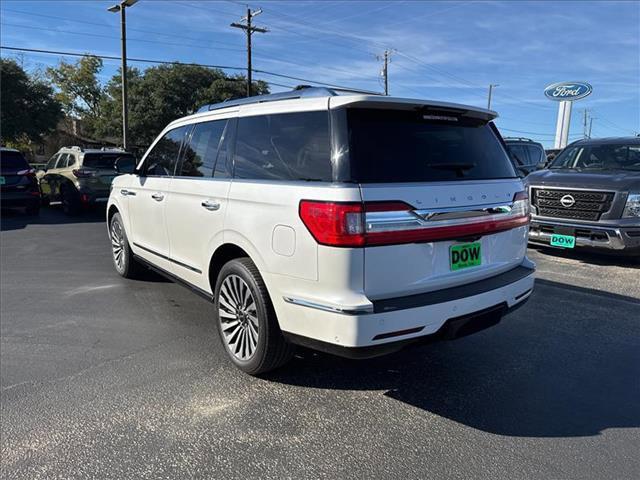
238,317
117,245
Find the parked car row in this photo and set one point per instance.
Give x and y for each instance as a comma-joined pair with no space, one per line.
74,178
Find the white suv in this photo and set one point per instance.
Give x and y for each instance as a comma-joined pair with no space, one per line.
345,222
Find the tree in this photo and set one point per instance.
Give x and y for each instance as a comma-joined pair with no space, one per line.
79,89
28,108
163,93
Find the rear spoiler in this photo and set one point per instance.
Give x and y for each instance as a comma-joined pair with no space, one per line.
429,107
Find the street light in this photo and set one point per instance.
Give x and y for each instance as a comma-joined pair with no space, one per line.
121,7
491,87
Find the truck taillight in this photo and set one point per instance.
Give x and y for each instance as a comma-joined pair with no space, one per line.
356,224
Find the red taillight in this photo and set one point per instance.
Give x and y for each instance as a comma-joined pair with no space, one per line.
353,224
334,223
83,173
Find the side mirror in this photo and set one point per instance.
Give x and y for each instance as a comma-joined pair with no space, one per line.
522,172
124,165
541,165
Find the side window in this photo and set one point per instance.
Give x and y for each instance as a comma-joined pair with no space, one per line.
52,162
536,154
62,160
71,160
162,159
519,154
291,146
200,155
224,165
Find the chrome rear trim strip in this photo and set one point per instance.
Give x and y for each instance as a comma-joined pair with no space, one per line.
362,310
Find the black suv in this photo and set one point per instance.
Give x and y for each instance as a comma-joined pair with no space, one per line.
589,197
525,154
18,182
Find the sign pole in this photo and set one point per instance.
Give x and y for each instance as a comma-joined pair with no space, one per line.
562,124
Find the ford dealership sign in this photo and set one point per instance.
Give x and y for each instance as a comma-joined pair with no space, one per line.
568,91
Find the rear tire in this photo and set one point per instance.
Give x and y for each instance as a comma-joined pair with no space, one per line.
123,259
70,202
246,321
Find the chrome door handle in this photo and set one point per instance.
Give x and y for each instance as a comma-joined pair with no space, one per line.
211,205
158,197
127,192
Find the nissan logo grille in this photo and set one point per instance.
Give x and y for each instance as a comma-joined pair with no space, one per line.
567,201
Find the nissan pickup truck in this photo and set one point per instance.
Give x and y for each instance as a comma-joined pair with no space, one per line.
589,198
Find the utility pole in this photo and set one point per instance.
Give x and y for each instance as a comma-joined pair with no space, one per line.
584,123
491,87
121,7
386,59
590,125
249,29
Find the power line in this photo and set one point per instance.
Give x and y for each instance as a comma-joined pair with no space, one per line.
111,26
87,34
166,62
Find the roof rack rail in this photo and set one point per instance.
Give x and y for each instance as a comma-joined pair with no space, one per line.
301,91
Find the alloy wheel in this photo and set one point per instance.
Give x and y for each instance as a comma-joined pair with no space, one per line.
238,317
117,245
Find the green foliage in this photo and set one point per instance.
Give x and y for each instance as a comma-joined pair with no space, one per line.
156,96
79,90
163,93
28,108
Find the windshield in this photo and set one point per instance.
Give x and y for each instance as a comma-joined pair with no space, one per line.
104,161
12,161
389,146
599,157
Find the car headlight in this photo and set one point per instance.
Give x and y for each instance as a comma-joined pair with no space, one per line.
632,208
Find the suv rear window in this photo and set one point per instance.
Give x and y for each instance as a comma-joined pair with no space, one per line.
12,161
388,146
104,161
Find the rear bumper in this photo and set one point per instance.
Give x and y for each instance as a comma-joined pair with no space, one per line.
20,199
448,313
623,240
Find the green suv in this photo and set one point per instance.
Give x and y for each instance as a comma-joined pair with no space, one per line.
76,177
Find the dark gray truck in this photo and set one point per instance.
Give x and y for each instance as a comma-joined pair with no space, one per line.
589,197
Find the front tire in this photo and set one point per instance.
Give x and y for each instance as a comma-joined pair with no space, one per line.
123,259
247,323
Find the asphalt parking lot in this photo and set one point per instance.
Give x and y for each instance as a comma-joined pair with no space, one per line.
109,378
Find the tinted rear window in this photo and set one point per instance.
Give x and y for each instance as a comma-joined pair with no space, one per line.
290,146
12,161
103,160
388,146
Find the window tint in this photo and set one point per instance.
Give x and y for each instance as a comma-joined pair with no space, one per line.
12,161
62,160
224,165
292,146
402,146
519,153
536,154
200,155
71,160
104,161
161,160
599,157
52,162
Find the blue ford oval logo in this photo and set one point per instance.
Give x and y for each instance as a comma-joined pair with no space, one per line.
567,91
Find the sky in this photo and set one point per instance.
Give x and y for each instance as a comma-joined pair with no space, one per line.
441,50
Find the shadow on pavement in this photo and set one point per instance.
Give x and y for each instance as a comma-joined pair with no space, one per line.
16,220
579,377
592,258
